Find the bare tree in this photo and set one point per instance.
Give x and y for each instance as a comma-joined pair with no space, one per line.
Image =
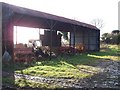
98,23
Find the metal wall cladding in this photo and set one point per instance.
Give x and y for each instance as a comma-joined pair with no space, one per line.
51,38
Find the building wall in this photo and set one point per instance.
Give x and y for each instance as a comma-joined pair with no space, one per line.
78,37
90,39
47,39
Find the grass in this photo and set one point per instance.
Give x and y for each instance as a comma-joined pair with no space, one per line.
75,67
61,67
107,52
28,83
70,67
7,81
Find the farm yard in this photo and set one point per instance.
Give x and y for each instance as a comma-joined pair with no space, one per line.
78,62
84,70
31,67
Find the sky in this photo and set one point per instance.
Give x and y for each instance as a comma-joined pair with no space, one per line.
80,10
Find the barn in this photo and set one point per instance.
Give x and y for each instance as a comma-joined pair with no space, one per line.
11,16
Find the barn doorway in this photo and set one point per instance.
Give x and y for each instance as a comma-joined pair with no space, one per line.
22,35
23,39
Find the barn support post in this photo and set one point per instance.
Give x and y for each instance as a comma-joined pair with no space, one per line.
16,34
51,25
74,31
70,40
50,43
0,46
10,49
89,41
83,37
72,37
98,41
9,43
39,34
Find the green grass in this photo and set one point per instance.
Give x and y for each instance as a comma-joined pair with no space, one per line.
75,67
28,83
62,70
7,81
62,67
70,67
107,52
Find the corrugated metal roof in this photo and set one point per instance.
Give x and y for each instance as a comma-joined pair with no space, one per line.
35,13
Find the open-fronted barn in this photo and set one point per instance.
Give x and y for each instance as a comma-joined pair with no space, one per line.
80,33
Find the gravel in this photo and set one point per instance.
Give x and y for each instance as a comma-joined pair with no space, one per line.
107,78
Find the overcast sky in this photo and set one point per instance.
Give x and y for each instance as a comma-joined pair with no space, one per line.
81,10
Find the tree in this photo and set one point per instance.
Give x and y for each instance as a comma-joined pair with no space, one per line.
106,37
98,23
111,38
115,36
116,31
